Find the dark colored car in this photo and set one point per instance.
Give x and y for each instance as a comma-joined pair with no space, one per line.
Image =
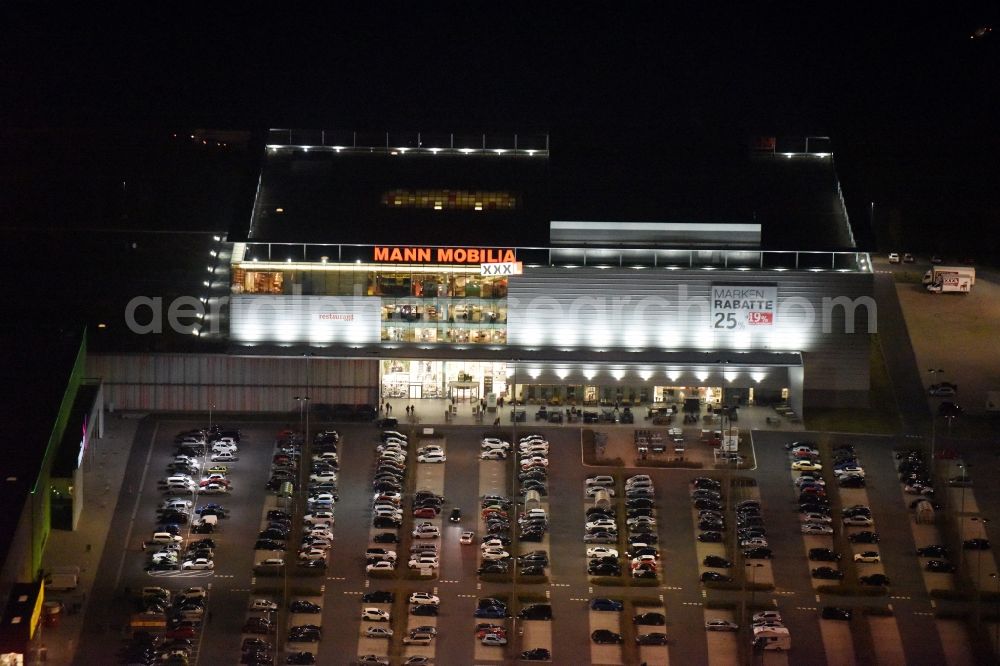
491,612
605,636
823,555
268,544
493,568
940,566
835,613
536,612
874,579
378,597
456,515
716,561
866,536
654,619
828,573
532,535
385,537
639,503
604,604
758,553
851,481
711,525
385,522
654,638
935,550
274,534
708,504
604,570
714,577
424,609
648,538
976,544
537,654
301,658
304,607
710,537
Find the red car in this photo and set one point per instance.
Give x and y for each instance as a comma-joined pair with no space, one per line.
180,632
499,632
425,512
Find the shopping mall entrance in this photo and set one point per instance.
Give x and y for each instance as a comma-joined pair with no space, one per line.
461,381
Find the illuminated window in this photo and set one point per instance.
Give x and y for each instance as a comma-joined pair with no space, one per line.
450,199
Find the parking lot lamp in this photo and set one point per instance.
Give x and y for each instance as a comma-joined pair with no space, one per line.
979,565
933,372
996,615
210,408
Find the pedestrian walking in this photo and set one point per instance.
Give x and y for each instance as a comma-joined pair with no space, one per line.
388,409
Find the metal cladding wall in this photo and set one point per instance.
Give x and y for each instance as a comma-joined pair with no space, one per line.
592,308
192,382
315,320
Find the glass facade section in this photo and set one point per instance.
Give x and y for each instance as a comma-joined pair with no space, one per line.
417,306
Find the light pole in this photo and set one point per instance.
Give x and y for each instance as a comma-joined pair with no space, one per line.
302,400
979,564
964,467
210,408
933,372
996,618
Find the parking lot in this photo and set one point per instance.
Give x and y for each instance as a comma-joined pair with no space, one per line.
236,592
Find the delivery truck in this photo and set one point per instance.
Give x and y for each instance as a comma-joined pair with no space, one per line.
947,283
936,273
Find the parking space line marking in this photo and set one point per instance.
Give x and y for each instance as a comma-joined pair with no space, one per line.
817,598
933,603
704,594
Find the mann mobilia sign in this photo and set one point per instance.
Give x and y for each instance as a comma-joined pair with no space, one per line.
491,260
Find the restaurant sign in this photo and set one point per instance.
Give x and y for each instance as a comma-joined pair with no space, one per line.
391,254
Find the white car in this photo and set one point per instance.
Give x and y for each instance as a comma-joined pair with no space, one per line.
811,517
534,460
601,480
198,563
263,604
225,456
374,615
858,521
494,443
721,625
467,538
495,554
426,531
381,565
893,257
593,490
177,504
852,469
430,448
601,551
868,557
534,449
807,480
313,554
432,458
396,456
326,456
322,498
189,593
324,477
318,518
424,561
601,523
493,454
424,598
215,489
815,528
166,538
320,532
224,447
491,543
388,495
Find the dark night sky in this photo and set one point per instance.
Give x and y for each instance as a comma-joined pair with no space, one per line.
907,95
